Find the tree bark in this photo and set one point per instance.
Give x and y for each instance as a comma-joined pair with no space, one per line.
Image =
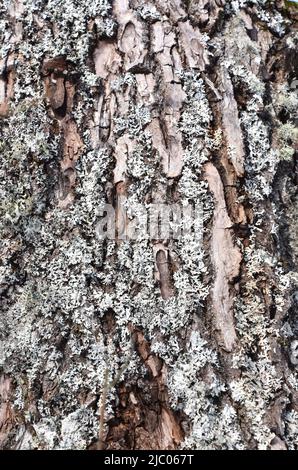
152,341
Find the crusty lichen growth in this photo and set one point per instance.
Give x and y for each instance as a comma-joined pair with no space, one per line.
51,305
71,302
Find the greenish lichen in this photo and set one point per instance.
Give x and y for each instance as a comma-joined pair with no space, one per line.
60,282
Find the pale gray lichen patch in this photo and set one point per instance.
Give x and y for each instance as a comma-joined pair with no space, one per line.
60,283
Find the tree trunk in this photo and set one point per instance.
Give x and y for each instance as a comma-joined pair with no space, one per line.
116,332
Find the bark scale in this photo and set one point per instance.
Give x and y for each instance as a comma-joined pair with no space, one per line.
158,342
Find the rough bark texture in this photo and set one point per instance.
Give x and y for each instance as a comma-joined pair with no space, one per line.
189,342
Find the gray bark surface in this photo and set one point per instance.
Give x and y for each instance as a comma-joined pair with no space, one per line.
158,342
